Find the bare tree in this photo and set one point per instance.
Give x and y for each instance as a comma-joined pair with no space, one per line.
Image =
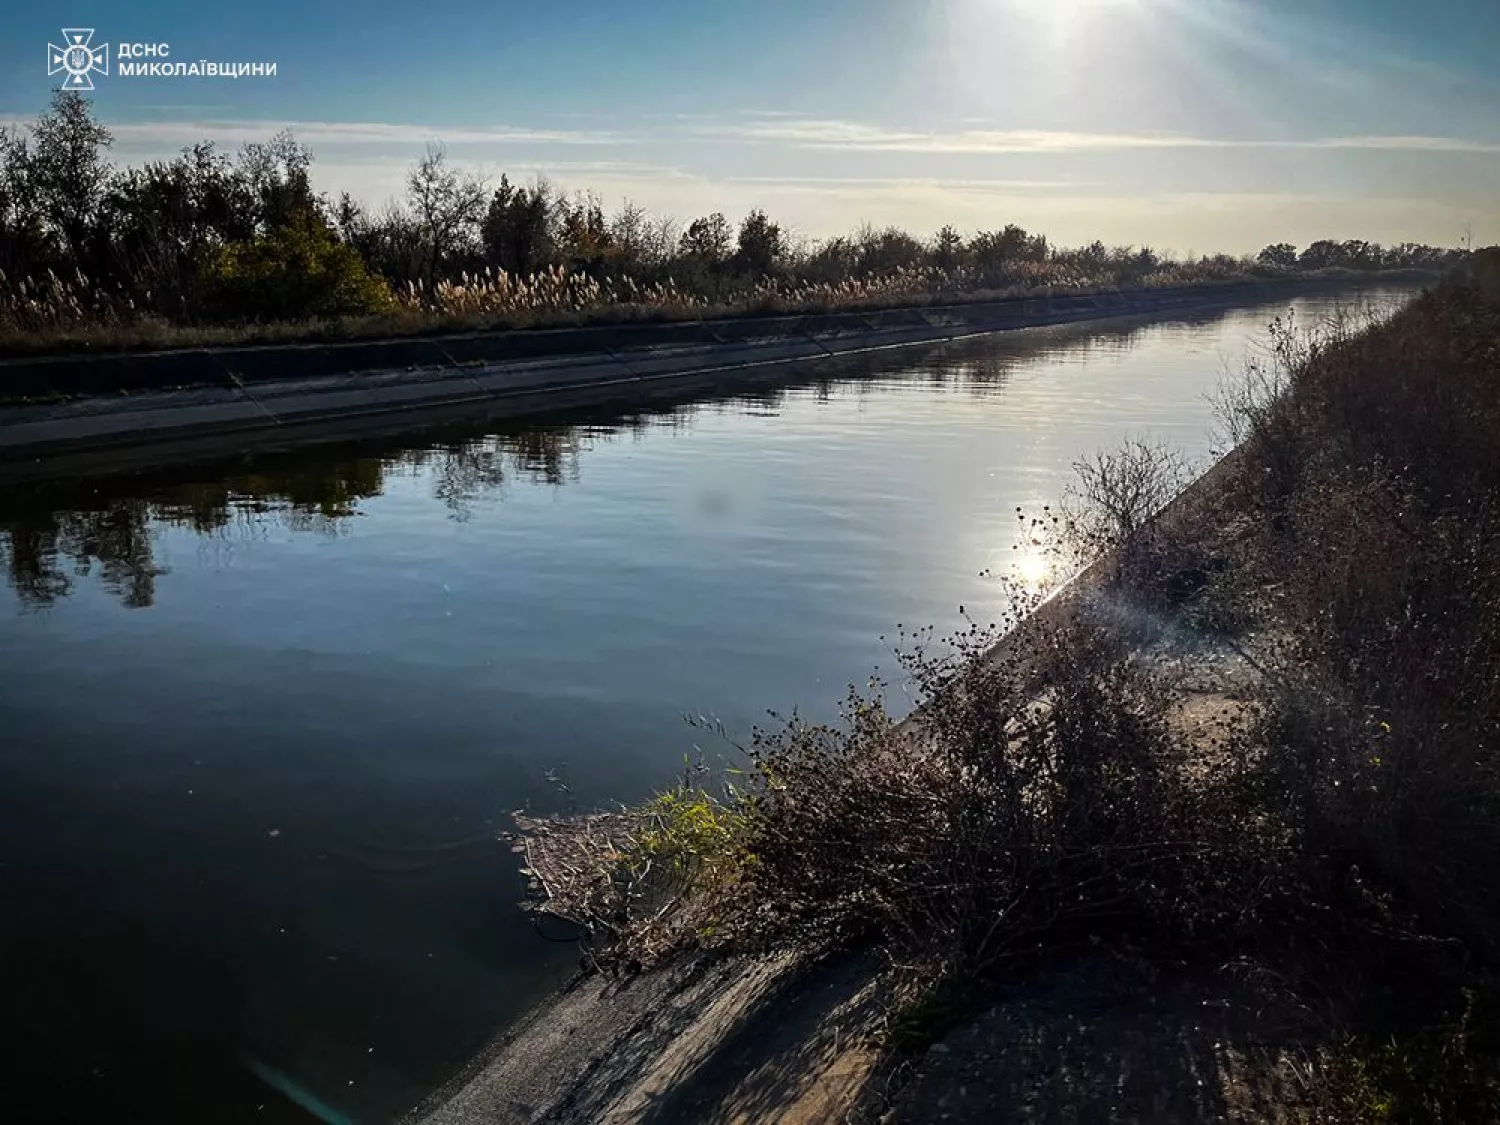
797,244
660,238
1118,492
448,204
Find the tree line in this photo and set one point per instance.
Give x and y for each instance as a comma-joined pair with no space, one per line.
210,237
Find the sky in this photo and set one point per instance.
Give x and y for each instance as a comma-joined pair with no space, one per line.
1192,126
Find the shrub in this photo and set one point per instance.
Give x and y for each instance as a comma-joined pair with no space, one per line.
298,271
1024,801
1119,491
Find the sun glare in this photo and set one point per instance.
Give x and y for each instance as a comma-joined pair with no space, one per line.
1064,19
1072,10
1033,569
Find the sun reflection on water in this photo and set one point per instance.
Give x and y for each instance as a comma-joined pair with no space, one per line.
1033,569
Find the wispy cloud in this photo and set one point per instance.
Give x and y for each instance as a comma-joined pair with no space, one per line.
1407,144
761,128
957,183
351,133
863,137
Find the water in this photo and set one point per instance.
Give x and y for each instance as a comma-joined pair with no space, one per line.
264,721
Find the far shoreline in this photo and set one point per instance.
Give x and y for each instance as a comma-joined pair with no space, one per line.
99,413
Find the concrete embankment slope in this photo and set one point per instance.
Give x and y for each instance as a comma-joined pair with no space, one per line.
134,407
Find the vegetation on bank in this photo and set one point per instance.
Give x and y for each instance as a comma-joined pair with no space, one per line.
1331,811
211,248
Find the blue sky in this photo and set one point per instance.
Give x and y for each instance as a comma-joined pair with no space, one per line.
1185,124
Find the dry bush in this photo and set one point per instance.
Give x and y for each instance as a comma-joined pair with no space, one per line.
642,883
1385,560
1041,799
1152,567
1117,492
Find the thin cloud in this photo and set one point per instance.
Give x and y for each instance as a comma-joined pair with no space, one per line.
353,133
956,182
861,137
1409,144
764,128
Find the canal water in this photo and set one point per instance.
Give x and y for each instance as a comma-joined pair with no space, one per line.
262,722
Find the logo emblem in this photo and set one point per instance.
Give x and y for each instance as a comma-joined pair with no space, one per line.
79,58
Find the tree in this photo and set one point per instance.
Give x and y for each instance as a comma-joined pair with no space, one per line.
660,238
995,253
448,205
394,245
516,227
707,240
947,248
26,244
161,219
886,251
1320,255
831,261
276,175
1139,265
1094,256
629,230
351,220
761,246
1282,255
582,232
70,169
1357,254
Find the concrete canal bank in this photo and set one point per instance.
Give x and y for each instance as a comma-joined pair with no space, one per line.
130,409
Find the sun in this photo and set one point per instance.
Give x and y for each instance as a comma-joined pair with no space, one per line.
1065,18
1074,9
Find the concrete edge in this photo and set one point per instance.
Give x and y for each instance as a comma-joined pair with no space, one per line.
41,441
109,372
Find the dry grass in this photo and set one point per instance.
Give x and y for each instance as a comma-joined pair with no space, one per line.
63,314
